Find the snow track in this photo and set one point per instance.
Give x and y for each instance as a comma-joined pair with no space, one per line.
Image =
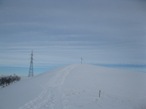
77,87
43,101
50,97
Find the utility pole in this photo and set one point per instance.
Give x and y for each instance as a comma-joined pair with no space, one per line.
99,93
81,60
31,66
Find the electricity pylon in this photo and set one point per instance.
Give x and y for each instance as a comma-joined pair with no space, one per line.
31,66
81,60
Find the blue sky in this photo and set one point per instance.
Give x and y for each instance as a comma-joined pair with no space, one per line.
61,31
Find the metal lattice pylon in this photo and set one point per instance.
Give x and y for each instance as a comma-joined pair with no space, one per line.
81,60
31,66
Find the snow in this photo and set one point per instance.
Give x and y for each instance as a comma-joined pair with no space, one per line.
77,87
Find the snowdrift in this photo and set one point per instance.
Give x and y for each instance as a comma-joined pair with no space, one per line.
78,87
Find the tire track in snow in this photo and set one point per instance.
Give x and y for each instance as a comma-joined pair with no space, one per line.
59,82
43,101
51,96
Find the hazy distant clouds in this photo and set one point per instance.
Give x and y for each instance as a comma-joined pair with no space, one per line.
60,32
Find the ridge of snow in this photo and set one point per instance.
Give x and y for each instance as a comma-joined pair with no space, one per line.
77,87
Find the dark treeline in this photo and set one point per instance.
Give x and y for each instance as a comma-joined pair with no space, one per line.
7,80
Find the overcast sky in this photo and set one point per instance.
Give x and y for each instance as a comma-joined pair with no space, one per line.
61,31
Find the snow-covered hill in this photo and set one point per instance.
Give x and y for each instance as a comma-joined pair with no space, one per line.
78,87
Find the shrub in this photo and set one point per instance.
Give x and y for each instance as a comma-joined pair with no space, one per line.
7,80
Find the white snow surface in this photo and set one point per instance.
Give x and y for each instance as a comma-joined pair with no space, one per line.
77,87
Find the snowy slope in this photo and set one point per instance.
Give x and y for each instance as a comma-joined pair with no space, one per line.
78,87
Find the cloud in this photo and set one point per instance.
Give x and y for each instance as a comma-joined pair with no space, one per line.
60,32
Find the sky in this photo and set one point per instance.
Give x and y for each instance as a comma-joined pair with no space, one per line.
60,32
